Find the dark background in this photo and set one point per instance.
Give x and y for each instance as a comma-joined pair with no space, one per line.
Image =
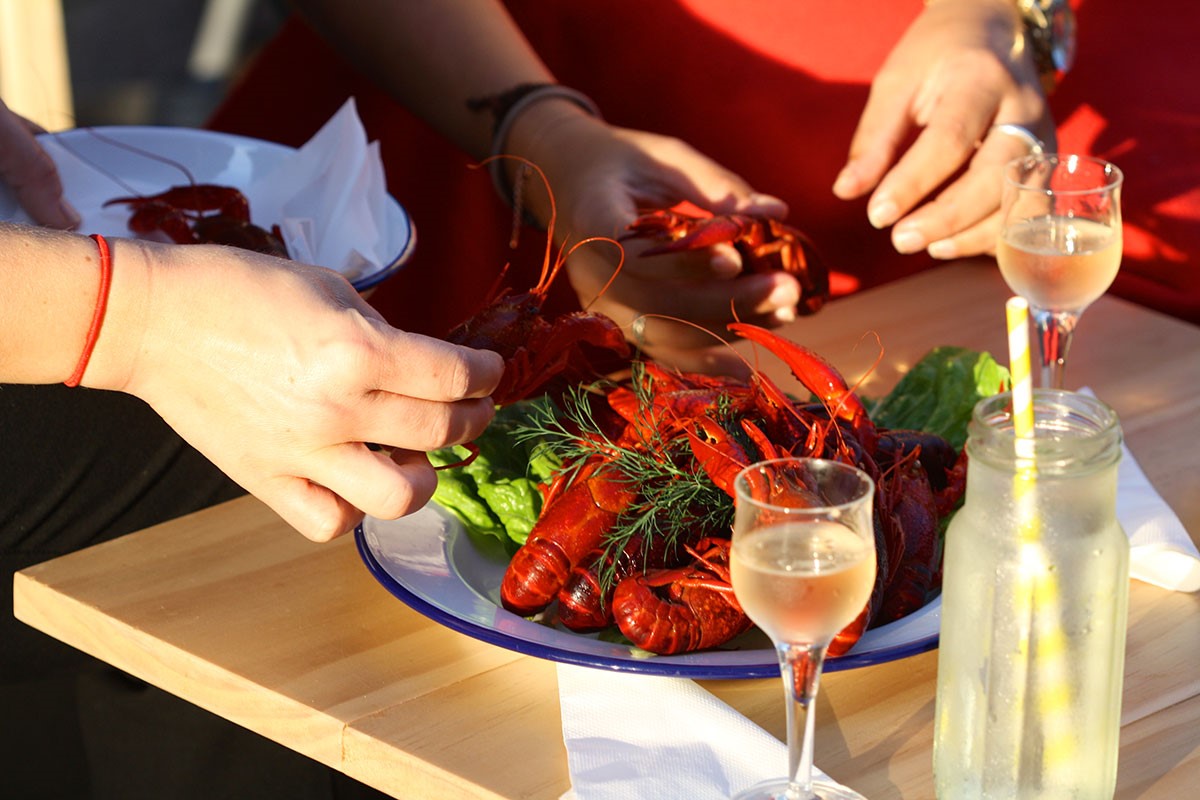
129,59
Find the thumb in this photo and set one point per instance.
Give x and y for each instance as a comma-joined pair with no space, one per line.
31,173
699,180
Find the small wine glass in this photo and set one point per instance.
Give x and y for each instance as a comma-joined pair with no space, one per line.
803,566
1060,243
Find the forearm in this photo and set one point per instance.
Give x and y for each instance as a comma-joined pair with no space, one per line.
433,56
50,283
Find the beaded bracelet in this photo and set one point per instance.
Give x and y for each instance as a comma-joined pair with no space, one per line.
507,106
98,315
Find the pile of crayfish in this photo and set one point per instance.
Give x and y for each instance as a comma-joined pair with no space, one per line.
198,213
634,532
635,528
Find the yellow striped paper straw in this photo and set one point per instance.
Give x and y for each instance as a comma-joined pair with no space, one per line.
1037,598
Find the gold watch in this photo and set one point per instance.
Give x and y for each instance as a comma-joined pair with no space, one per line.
1050,37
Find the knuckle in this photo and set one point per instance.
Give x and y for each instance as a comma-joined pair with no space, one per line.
456,377
328,525
438,428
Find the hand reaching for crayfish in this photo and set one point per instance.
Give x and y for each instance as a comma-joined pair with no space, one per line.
31,173
602,177
276,371
953,76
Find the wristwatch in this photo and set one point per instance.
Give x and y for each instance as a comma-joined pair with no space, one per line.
1050,37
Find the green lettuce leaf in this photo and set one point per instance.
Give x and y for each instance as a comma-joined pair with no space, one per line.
496,496
940,391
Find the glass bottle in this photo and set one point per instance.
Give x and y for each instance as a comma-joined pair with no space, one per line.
1034,602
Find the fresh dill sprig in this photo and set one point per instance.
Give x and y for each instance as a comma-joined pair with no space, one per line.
677,502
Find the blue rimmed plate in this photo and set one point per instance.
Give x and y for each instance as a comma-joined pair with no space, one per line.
428,562
98,164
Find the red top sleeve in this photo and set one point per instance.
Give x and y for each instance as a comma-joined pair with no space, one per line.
771,89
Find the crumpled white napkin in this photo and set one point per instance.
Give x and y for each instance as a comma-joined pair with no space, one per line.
645,736
332,198
1160,550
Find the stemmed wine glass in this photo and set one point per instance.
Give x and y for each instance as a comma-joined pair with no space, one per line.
1060,243
803,566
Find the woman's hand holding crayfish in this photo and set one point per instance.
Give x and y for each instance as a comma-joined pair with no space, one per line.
31,173
602,177
953,76
280,373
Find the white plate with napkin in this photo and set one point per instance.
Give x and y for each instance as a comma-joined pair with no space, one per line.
328,196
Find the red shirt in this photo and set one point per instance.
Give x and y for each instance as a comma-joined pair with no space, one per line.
772,90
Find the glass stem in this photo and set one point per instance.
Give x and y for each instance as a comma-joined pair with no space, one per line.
801,668
1055,331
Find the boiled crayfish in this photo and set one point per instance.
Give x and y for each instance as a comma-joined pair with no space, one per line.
637,532
765,245
199,213
538,352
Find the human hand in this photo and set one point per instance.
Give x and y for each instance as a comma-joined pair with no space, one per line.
31,173
601,177
279,373
951,77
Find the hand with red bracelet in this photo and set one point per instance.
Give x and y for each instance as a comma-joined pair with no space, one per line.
31,173
276,371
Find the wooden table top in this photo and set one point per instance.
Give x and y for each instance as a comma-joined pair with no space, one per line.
233,611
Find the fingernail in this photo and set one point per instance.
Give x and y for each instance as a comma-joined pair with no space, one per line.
786,314
845,184
908,239
782,296
882,212
763,202
943,248
724,265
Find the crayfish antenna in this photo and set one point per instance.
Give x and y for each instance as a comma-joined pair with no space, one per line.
752,368
170,162
562,260
874,365
547,269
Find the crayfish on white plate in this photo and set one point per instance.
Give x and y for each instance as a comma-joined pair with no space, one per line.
199,213
635,532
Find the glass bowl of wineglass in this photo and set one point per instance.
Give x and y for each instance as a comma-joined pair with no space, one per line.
1060,243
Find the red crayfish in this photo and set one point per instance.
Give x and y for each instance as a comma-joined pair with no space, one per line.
765,245
538,352
673,595
202,213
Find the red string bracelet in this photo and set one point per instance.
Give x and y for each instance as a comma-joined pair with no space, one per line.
98,316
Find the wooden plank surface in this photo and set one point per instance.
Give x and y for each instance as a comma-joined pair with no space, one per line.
233,611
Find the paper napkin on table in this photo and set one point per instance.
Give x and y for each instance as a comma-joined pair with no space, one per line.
1160,550
645,736
332,198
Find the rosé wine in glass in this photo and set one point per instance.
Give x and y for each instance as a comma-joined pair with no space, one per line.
803,581
1060,243
1060,262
